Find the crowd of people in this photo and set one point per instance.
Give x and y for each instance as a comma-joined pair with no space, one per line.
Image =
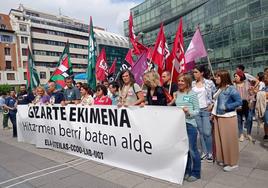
217,109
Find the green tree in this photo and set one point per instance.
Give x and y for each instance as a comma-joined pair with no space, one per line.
4,88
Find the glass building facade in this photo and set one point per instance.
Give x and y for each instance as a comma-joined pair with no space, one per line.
235,31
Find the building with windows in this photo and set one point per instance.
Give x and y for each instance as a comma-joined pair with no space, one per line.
8,52
234,31
47,34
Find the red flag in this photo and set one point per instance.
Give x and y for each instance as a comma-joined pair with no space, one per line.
177,54
138,48
159,49
101,66
129,57
132,35
112,68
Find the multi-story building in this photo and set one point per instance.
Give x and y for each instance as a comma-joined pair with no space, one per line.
47,34
235,31
8,51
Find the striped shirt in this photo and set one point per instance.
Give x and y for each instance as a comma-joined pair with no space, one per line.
190,101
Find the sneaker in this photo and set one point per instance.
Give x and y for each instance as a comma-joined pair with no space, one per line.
186,176
203,156
192,179
220,163
230,168
249,138
241,138
265,138
209,158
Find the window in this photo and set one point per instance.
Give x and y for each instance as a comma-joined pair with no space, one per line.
7,51
24,40
10,76
24,64
25,75
23,27
8,65
43,75
24,51
6,38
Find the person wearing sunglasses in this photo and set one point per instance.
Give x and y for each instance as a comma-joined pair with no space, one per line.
101,96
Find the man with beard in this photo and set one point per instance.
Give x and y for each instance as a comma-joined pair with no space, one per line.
23,96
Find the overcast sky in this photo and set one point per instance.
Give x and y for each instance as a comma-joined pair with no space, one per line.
108,14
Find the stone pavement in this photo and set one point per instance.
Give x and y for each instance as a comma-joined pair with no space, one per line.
46,168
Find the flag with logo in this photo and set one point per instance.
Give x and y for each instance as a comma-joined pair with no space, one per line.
64,68
138,48
91,66
177,58
160,52
101,66
32,75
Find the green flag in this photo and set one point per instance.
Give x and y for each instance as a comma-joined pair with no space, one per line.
64,68
91,66
32,76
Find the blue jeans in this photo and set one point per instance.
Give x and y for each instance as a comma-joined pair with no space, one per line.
240,113
265,117
13,120
204,129
249,121
193,167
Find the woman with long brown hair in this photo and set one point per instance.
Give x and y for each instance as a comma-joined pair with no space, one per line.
227,100
130,93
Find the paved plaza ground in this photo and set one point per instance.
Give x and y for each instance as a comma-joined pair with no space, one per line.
25,166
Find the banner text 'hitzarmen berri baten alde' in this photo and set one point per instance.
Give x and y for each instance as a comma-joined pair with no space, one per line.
148,140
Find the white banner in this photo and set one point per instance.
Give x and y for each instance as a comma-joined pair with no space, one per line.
150,140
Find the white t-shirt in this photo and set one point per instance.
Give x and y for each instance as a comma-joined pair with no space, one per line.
202,98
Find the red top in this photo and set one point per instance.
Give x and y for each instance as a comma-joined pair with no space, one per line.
104,100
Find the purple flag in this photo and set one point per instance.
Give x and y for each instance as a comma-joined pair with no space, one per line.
139,68
196,48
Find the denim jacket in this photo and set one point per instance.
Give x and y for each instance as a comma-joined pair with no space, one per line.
228,100
210,89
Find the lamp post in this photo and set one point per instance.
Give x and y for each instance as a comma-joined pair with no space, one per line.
209,63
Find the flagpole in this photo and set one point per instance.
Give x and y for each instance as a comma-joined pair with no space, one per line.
172,72
210,67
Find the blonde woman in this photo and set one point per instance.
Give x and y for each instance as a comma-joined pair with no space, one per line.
41,96
155,93
187,100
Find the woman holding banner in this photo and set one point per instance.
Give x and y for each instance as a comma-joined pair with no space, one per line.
130,93
86,95
227,100
101,96
41,96
155,93
187,100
